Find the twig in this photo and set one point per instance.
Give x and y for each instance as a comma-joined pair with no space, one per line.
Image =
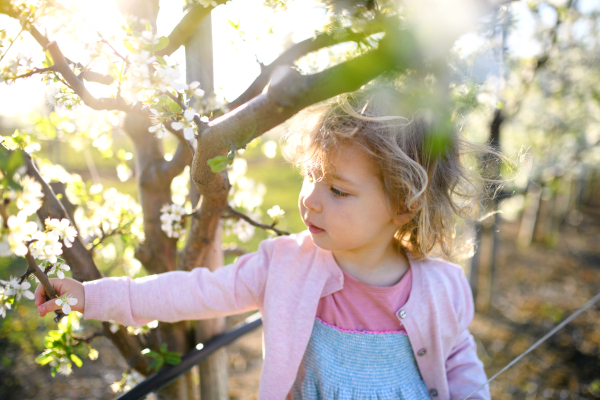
233,213
89,338
112,48
42,277
35,71
11,43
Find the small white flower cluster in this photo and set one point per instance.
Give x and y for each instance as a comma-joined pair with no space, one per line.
116,211
4,305
30,199
46,246
13,288
130,380
143,330
185,123
19,65
190,129
63,229
172,220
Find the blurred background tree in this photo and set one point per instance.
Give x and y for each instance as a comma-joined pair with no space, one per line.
189,101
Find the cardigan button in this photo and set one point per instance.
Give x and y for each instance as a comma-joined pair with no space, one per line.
403,314
433,393
422,352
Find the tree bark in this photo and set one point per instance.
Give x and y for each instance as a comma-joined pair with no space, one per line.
213,372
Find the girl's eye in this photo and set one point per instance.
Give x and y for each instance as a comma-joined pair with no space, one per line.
337,193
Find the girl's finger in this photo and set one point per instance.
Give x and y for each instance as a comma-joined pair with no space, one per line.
40,294
47,307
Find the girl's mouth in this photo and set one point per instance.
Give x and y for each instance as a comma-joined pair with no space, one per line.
314,230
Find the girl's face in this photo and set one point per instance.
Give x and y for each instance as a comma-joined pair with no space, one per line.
346,210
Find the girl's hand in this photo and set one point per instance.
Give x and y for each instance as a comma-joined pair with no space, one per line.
67,286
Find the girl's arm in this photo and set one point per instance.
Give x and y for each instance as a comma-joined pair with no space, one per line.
173,296
464,370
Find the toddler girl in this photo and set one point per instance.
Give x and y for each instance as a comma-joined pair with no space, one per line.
352,308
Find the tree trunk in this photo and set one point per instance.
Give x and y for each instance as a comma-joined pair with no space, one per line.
213,372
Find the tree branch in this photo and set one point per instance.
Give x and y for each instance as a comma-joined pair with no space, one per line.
298,50
79,88
186,27
233,213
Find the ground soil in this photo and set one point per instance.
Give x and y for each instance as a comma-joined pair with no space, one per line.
533,290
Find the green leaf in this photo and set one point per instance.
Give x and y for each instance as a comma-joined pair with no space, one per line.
48,61
53,371
161,60
129,46
234,25
219,163
76,360
14,161
163,42
150,353
172,358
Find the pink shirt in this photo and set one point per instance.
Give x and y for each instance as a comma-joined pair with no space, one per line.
285,279
363,307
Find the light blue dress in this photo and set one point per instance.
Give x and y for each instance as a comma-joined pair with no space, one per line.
340,364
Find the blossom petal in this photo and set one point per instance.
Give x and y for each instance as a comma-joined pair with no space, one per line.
189,114
59,302
66,309
60,274
72,301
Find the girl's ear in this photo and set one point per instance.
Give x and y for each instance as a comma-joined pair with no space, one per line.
401,219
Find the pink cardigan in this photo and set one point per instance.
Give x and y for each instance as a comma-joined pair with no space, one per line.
285,279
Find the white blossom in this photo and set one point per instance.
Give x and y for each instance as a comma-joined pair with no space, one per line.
63,228
21,231
3,304
59,269
113,327
172,220
147,37
194,89
30,200
190,130
46,246
19,290
275,212
159,130
64,366
65,302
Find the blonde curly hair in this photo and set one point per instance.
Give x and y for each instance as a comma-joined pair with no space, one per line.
420,165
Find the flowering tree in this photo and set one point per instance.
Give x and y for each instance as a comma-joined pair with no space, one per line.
59,223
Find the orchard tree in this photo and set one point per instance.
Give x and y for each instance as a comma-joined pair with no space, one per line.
59,223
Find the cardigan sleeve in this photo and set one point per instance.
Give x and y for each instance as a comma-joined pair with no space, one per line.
464,370
181,295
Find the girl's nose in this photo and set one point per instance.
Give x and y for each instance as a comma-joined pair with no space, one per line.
310,198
